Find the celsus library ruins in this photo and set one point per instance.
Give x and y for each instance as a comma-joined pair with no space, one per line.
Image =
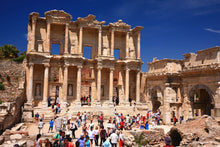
185,87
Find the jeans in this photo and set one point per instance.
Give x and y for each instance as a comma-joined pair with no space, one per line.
78,123
102,141
96,140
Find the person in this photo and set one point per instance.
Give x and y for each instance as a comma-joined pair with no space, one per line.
47,143
153,121
38,142
68,141
49,100
103,135
81,140
114,139
40,126
181,119
37,118
158,119
57,138
73,128
107,143
146,126
134,107
64,123
88,100
167,142
130,100
61,140
121,139
87,142
91,124
51,126
142,126
57,100
174,120
117,100
96,133
91,134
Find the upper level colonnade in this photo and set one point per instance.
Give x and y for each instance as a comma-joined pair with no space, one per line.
58,28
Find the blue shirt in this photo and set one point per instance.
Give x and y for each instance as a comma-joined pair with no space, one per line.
81,142
51,123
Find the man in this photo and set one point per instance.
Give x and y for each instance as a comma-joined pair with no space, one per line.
114,139
73,128
64,123
91,134
40,126
81,140
57,138
51,126
37,117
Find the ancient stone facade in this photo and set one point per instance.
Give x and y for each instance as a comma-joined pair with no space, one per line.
186,87
69,74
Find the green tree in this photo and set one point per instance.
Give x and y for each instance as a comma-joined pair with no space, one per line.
8,51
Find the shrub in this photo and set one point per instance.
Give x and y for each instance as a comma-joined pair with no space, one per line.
2,86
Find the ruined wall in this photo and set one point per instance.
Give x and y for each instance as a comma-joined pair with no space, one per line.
13,97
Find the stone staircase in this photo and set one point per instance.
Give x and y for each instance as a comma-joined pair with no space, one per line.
90,110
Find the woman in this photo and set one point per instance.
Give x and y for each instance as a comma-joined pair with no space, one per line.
146,126
121,139
96,132
38,142
47,143
87,142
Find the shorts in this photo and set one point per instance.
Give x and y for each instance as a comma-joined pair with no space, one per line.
51,128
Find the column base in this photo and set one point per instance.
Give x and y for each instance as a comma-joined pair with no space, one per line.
28,112
64,104
78,104
111,105
44,104
98,104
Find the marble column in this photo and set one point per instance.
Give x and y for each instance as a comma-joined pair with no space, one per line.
100,41
65,85
138,44
111,84
99,83
127,48
138,87
45,92
34,20
60,80
79,71
66,39
30,84
80,39
48,37
127,85
112,42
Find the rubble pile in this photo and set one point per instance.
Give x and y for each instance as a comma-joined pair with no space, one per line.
17,135
202,131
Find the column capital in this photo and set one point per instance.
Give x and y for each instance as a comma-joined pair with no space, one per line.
112,69
127,69
34,19
66,65
46,64
67,24
79,66
30,64
99,67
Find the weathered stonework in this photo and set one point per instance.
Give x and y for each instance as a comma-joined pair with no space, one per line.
69,74
187,87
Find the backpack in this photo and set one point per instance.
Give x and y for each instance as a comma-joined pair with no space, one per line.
103,133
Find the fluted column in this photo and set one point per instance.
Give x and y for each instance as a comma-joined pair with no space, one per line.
80,39
138,44
30,84
65,83
66,39
48,36
79,71
127,48
138,87
99,83
112,42
46,77
60,80
100,41
111,84
34,20
127,85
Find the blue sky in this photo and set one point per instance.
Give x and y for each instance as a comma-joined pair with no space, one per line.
171,27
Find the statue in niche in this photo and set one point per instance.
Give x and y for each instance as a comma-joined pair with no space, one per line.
70,89
38,90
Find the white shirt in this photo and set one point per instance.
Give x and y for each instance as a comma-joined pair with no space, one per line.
114,138
121,137
91,134
118,119
96,132
91,125
64,120
40,124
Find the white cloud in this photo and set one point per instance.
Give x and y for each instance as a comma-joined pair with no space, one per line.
211,30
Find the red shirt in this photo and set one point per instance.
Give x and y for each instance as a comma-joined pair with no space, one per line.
78,114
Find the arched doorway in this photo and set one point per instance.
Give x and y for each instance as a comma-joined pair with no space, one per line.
156,98
202,101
